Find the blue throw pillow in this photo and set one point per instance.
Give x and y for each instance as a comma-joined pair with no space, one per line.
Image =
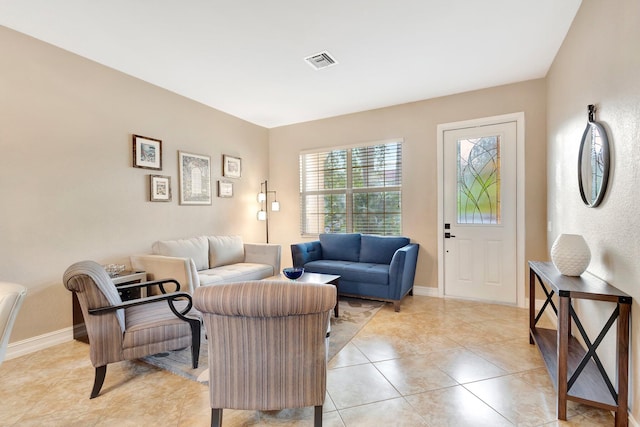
340,246
380,249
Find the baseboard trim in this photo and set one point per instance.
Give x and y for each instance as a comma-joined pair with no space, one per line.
40,342
425,291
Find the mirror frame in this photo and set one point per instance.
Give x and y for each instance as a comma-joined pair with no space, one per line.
592,126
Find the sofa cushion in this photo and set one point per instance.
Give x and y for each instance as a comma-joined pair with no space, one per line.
225,250
380,249
196,248
340,246
235,273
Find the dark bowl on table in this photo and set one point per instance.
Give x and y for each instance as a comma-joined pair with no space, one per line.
293,273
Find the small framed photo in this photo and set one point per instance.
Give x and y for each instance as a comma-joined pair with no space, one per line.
147,152
160,188
231,166
225,189
195,179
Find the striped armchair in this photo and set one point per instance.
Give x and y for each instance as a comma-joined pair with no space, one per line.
132,329
267,344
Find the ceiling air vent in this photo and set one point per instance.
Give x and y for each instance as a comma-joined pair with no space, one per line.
321,60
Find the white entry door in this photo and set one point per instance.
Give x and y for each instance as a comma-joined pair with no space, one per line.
480,221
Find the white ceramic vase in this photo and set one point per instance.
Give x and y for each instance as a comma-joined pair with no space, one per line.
570,254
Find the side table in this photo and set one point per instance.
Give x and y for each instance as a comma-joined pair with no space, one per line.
125,277
128,277
577,373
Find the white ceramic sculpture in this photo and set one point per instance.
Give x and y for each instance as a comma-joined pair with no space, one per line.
570,254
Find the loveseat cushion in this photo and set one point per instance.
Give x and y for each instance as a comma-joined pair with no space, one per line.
365,272
325,266
225,250
351,271
380,249
340,246
196,248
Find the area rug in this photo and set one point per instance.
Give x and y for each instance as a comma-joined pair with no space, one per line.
354,315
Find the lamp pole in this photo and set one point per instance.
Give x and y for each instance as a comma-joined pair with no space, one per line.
263,198
266,209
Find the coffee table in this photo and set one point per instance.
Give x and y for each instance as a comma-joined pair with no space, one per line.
327,279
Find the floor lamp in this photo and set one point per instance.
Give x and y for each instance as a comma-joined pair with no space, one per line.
263,213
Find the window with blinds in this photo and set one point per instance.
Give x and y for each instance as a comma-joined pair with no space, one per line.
353,189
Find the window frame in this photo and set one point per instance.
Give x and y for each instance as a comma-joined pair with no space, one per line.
349,191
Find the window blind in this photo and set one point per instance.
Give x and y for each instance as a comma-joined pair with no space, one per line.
352,189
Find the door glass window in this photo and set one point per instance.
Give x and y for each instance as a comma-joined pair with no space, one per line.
478,190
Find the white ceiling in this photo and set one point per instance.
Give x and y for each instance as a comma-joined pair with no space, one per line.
246,57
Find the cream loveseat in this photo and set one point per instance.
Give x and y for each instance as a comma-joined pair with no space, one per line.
209,260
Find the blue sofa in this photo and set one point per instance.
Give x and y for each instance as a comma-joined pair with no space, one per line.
370,266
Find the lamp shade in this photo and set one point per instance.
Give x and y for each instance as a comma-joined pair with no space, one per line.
570,254
262,197
275,206
262,215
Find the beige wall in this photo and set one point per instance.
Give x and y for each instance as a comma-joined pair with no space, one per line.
69,191
599,63
67,188
416,123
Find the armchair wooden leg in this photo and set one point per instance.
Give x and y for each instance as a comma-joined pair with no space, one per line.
396,306
317,416
101,372
216,417
195,342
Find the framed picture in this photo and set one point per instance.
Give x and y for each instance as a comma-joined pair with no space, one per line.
225,189
195,179
147,152
160,188
231,166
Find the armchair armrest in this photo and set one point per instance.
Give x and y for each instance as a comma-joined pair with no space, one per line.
263,253
402,270
160,284
303,253
183,270
170,298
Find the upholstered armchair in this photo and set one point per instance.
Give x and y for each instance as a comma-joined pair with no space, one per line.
132,329
11,297
267,344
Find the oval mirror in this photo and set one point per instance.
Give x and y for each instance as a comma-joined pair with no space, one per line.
593,163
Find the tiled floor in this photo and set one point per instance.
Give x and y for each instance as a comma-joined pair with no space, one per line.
436,363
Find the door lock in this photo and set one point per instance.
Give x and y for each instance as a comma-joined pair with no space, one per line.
448,235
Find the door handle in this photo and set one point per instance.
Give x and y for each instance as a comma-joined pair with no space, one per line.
448,235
